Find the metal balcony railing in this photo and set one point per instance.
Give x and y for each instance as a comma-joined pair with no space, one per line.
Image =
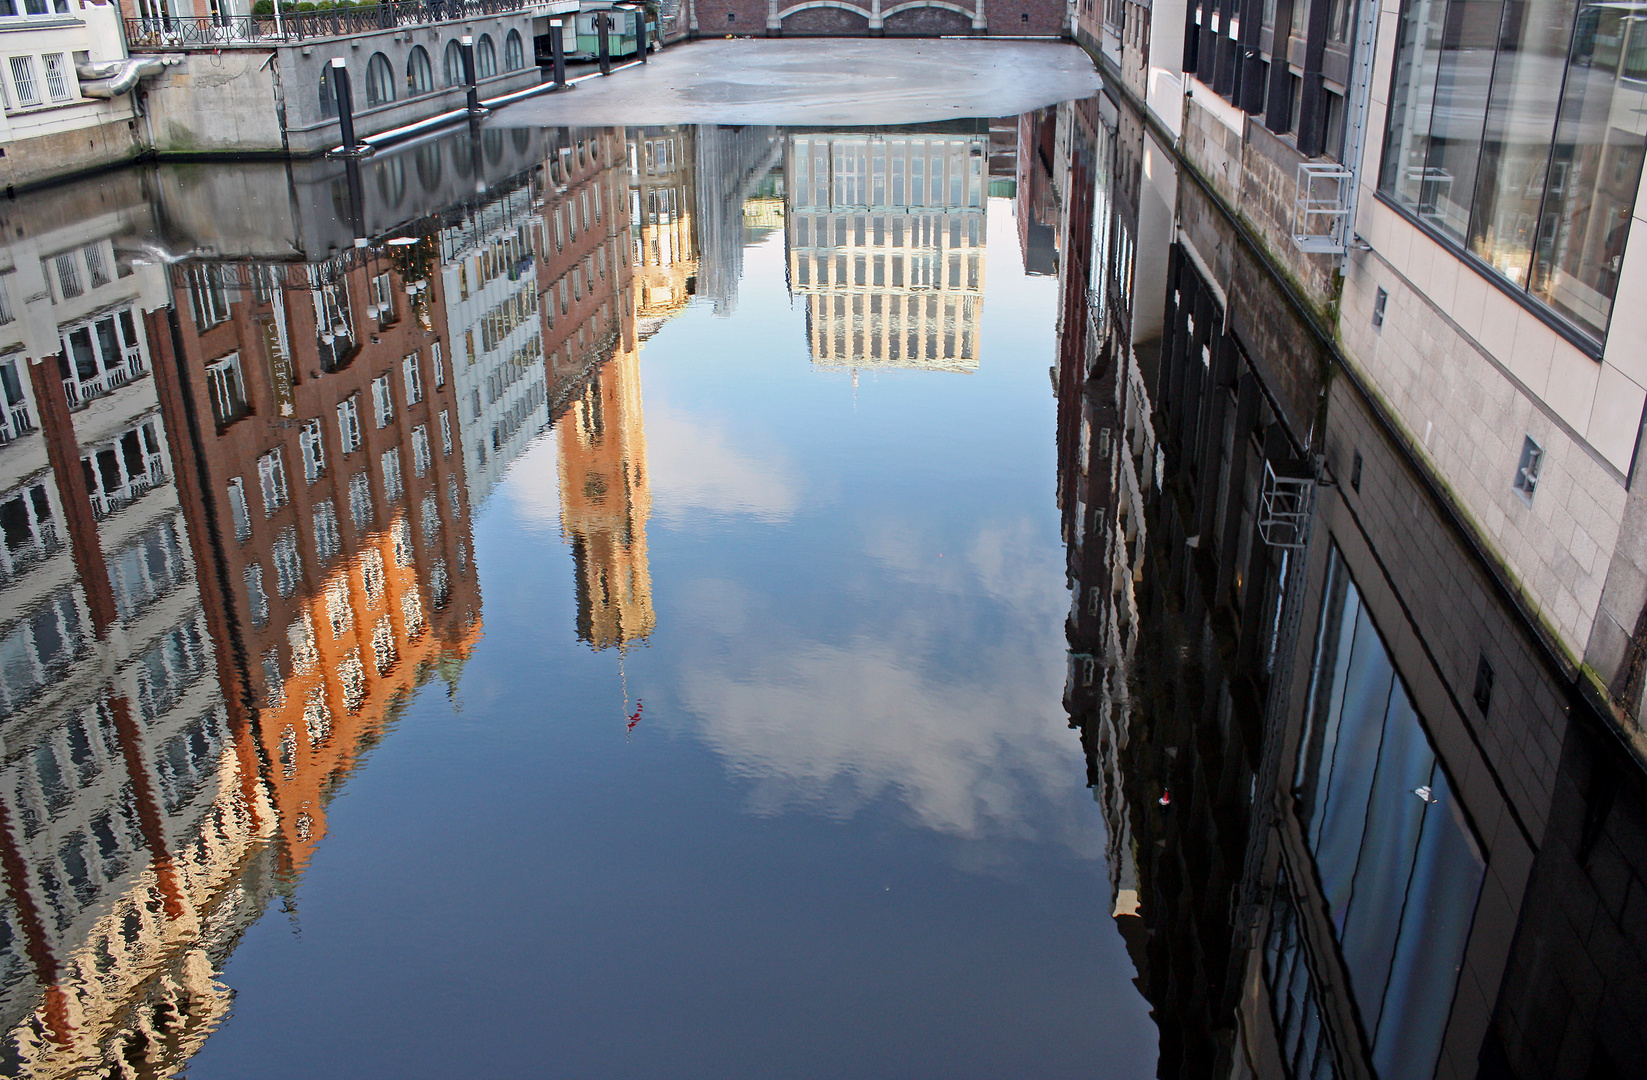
81,391
15,421
109,501
168,32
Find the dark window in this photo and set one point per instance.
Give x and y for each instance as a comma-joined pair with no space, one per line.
452,64
486,57
420,78
380,81
514,52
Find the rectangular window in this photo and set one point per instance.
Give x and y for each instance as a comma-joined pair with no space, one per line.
227,390
207,299
393,488
348,423
257,601
383,298
360,500
57,77
1378,309
97,268
439,364
238,509
25,86
327,540
1526,471
1524,182
288,563
414,379
445,433
271,476
420,449
314,452
68,276
383,402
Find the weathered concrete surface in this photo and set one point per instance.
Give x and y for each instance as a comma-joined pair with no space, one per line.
820,82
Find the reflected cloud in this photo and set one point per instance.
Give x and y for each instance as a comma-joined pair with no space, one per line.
963,732
696,471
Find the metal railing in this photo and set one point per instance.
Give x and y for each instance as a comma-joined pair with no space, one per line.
80,391
170,32
105,501
15,421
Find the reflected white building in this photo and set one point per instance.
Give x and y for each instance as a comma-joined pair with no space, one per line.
885,239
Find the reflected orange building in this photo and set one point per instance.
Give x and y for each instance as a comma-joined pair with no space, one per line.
662,197
604,504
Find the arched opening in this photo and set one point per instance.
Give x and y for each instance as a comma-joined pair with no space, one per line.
380,81
328,93
486,57
452,63
514,52
420,76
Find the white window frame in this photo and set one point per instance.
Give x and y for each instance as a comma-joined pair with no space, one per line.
439,363
348,423
421,458
414,379
312,444
225,384
239,511
445,433
271,479
394,485
383,401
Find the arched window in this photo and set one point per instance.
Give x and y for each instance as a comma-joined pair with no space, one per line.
428,165
380,81
420,78
514,53
486,57
452,63
328,93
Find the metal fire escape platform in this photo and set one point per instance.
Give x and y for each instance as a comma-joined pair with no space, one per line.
1321,211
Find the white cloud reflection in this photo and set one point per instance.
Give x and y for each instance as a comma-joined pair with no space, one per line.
954,709
697,472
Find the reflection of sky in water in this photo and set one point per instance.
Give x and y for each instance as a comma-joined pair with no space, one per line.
849,836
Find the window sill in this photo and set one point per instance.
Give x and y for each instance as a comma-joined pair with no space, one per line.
37,22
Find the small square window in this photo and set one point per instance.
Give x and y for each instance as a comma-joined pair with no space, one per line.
1483,684
1355,472
1526,473
1378,309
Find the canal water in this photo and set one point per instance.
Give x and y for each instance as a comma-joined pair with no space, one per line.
606,621
721,601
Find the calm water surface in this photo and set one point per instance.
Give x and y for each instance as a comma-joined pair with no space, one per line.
697,712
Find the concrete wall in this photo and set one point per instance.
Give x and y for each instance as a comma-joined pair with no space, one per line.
301,66
222,102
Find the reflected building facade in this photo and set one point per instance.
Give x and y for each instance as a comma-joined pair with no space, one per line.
885,242
1372,826
663,192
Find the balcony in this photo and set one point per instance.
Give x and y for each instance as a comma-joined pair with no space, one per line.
81,391
15,422
113,499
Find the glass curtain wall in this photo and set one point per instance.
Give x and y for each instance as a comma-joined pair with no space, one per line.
1516,130
1396,859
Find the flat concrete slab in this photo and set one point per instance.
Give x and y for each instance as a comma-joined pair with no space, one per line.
821,81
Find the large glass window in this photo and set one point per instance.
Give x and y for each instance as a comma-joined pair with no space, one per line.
380,80
486,57
1517,130
420,77
1397,861
452,64
514,52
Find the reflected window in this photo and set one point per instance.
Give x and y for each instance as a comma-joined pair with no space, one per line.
1396,858
238,510
420,76
486,57
380,81
227,390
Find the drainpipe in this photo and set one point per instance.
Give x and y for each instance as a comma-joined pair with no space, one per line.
603,22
